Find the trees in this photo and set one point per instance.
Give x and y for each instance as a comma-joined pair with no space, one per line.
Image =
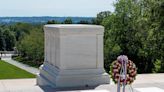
53,22
2,41
27,38
136,29
20,29
100,17
83,22
68,21
120,31
9,39
31,46
156,31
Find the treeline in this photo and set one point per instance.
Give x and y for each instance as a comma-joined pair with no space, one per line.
69,20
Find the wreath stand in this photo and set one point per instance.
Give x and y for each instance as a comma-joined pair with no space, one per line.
123,73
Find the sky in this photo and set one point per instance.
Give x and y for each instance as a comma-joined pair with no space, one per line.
84,8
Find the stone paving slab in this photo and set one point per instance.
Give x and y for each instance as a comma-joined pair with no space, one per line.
2,87
149,78
150,89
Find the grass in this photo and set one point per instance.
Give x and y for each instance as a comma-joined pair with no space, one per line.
8,71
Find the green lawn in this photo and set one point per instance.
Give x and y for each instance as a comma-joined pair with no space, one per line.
8,71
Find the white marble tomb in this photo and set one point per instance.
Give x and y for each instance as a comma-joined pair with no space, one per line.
73,56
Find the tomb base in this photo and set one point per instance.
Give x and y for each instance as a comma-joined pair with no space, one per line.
51,76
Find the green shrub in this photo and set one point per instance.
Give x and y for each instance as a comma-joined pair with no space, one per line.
158,67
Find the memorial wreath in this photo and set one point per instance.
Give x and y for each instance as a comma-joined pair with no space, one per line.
117,72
